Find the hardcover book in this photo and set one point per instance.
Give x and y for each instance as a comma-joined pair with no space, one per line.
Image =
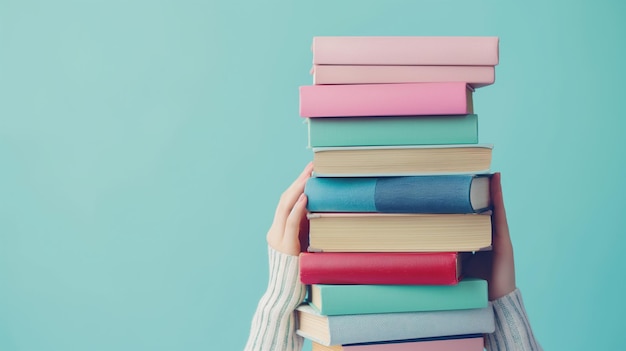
446,343
389,130
450,98
398,268
401,160
476,76
461,193
390,232
361,328
335,299
405,50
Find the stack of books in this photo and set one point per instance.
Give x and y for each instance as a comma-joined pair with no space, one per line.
399,194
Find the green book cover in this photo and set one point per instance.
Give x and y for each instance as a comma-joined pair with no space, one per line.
363,299
405,130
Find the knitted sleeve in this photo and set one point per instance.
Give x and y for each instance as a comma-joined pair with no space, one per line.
513,332
273,324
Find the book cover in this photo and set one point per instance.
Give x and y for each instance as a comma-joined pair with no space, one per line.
460,193
398,268
406,50
389,130
335,299
360,161
392,232
408,99
446,343
476,76
361,328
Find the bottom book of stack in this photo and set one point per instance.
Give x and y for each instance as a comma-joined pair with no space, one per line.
374,327
452,343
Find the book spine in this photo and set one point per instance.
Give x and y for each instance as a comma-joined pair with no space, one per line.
420,194
382,131
438,268
445,51
453,98
469,293
341,194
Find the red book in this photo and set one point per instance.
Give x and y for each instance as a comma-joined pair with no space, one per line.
407,99
398,268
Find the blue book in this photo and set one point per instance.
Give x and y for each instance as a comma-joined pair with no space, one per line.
362,328
465,193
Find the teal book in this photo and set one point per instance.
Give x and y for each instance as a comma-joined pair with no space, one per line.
332,300
459,193
394,130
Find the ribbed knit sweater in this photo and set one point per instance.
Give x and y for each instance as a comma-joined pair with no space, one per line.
274,329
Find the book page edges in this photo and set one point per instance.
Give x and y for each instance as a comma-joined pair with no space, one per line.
340,175
480,196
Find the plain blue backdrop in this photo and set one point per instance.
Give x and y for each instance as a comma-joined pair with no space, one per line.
144,146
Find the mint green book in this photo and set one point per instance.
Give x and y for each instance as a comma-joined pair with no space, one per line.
385,130
333,300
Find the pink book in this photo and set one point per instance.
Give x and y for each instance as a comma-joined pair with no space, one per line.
459,344
408,99
405,50
476,76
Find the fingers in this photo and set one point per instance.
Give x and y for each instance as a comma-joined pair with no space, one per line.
283,234
289,198
291,239
306,174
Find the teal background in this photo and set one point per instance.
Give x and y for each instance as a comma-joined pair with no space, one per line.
144,146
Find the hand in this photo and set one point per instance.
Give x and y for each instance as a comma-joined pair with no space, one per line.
496,266
289,232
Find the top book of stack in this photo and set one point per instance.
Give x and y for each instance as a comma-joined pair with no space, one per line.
436,51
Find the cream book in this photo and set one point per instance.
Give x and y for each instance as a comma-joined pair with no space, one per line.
401,160
390,232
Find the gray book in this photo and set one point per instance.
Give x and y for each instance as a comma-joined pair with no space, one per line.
359,328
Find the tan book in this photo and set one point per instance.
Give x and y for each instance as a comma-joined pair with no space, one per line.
402,160
385,232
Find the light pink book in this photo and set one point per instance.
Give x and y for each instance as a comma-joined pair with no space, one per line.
461,344
407,99
406,50
476,76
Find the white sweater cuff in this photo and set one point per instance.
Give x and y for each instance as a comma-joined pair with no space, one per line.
513,331
273,325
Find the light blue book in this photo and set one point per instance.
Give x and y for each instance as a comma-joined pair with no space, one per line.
361,328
